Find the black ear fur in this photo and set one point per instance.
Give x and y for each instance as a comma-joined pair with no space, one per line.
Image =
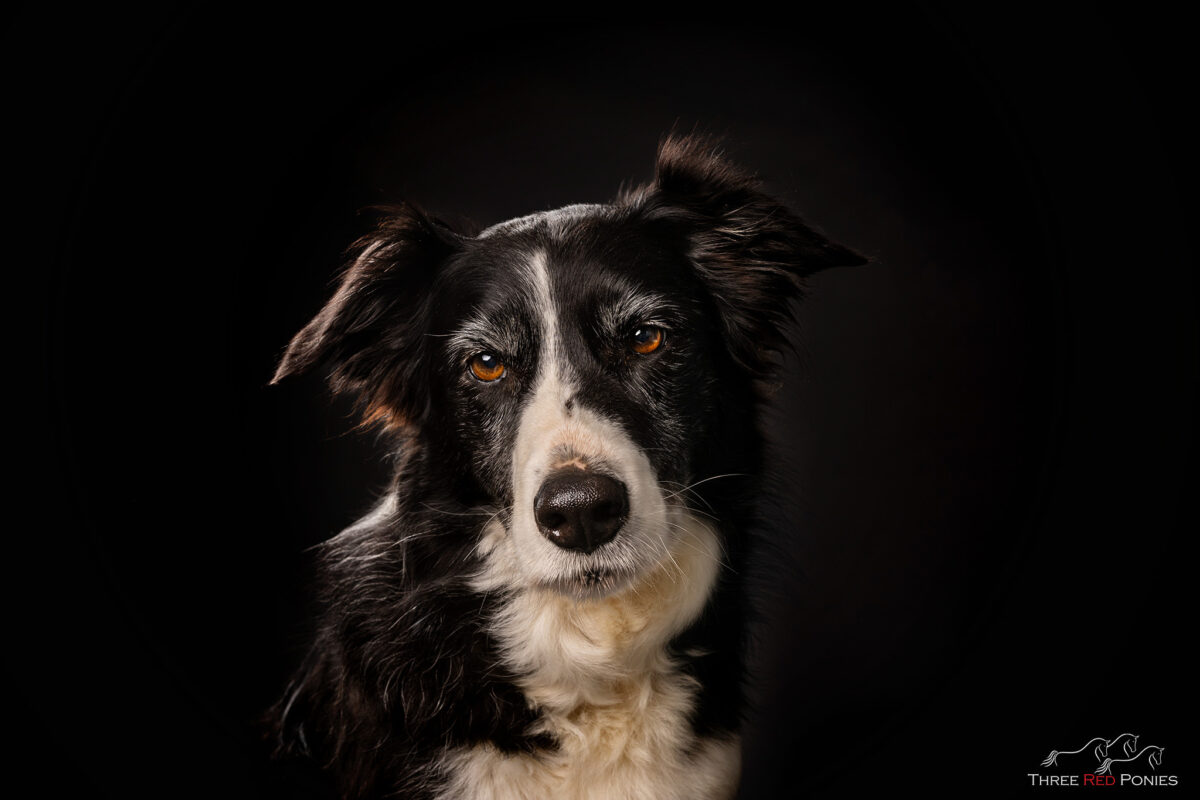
369,334
751,250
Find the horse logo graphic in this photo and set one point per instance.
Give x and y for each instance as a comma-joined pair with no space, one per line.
1100,745
1099,748
1153,758
1127,741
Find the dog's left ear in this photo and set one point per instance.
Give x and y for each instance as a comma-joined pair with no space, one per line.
751,251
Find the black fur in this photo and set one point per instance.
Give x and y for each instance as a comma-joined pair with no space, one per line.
403,665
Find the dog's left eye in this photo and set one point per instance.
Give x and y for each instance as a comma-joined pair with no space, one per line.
646,339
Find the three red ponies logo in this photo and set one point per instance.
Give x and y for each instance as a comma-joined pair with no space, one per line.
1105,762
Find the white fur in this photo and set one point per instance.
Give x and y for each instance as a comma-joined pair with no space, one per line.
599,672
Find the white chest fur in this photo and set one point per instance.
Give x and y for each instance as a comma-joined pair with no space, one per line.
608,692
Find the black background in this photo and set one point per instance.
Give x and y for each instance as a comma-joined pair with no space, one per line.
985,444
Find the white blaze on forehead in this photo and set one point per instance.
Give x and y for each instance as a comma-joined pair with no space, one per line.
547,410
538,275
551,388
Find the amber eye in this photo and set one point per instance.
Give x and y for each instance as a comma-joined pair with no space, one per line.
646,339
487,367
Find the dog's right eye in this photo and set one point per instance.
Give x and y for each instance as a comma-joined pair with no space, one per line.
487,367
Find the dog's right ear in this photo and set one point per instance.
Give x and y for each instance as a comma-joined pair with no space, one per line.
370,335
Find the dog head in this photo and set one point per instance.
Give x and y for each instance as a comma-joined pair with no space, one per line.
575,370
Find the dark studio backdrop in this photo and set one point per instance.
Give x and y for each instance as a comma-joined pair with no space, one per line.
985,443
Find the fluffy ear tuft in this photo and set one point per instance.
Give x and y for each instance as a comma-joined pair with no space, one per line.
751,250
370,333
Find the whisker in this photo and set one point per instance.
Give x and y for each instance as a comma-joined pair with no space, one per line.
667,552
684,541
692,492
695,511
455,513
706,480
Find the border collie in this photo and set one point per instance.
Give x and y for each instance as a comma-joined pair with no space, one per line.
547,602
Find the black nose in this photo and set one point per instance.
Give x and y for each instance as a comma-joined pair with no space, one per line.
580,510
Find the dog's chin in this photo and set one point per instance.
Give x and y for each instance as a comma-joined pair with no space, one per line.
593,583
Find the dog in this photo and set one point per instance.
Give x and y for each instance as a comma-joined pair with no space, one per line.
548,601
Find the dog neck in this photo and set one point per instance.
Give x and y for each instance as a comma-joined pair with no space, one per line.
607,687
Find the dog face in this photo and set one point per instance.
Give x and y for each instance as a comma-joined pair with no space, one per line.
577,386
571,369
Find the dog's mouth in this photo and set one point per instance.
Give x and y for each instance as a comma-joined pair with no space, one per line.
593,583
